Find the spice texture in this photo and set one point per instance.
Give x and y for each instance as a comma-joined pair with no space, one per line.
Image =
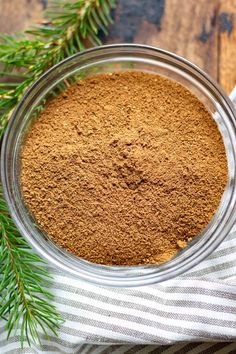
123,168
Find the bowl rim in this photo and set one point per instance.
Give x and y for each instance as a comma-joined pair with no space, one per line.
105,277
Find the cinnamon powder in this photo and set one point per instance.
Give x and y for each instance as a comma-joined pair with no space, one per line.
123,168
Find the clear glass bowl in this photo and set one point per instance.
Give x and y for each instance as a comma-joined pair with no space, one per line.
109,59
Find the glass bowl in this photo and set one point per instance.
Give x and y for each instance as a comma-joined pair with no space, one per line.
109,59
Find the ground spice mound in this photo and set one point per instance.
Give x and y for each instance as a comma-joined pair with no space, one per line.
123,168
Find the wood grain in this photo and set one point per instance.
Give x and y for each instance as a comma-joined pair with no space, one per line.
227,44
16,15
188,28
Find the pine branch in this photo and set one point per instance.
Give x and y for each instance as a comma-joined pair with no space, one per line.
24,300
69,27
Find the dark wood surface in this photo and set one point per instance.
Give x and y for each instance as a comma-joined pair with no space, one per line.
203,31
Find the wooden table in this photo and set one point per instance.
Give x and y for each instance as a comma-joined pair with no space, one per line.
203,31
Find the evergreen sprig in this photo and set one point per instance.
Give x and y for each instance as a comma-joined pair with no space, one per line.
24,300
69,27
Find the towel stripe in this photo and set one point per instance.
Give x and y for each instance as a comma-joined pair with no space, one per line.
198,306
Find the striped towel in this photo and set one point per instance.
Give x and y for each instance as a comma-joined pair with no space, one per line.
194,313
199,306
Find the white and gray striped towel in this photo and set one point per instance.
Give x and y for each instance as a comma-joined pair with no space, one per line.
199,306
194,313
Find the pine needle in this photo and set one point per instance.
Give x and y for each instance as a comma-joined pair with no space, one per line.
69,27
22,283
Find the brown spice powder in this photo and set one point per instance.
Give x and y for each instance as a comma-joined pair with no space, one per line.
124,168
